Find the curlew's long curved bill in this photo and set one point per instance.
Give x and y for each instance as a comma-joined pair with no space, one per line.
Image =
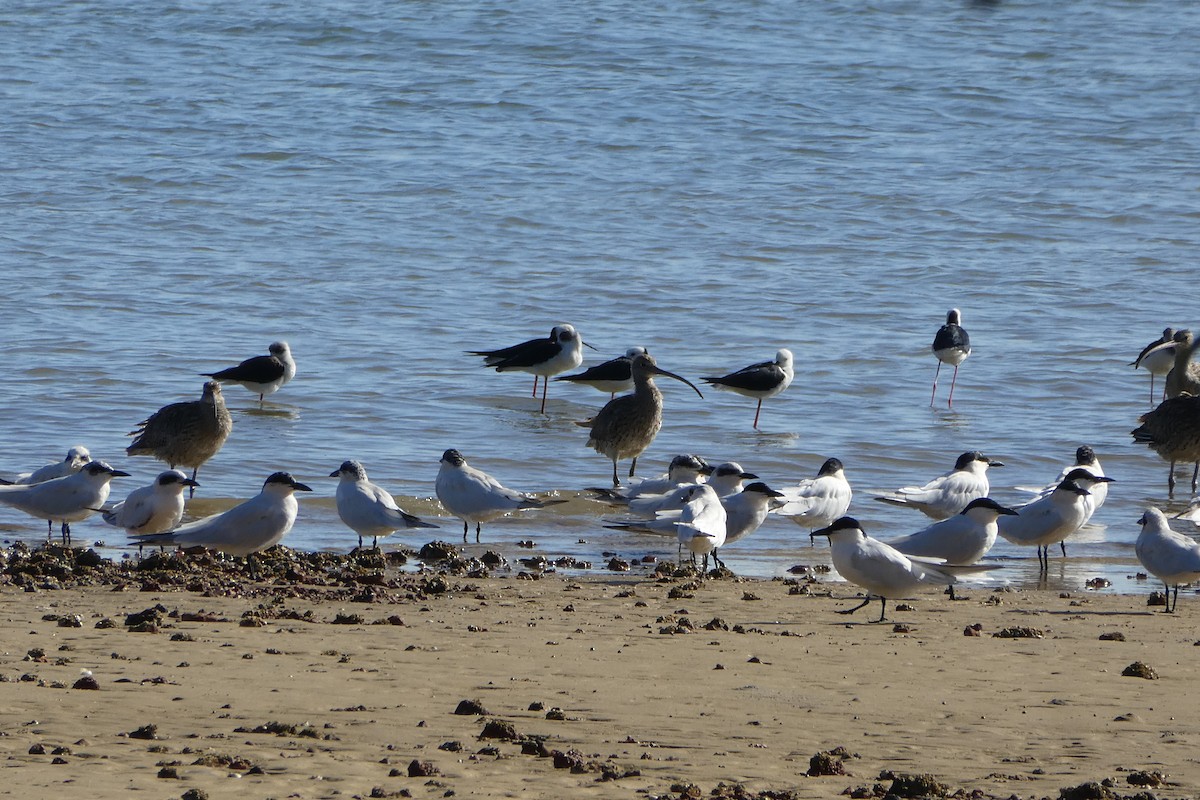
657,370
1164,346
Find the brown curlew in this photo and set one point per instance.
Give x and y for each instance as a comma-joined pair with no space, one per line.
1173,431
1185,373
185,434
627,425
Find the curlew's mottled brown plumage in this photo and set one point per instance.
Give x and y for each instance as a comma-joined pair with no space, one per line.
627,425
185,434
1173,431
1185,374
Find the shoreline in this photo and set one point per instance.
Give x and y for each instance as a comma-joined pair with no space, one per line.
648,685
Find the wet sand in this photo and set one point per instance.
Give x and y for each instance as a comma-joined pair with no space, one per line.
608,685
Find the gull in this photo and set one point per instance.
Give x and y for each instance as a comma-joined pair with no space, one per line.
880,569
1173,431
1085,458
951,345
701,524
474,496
610,377
817,502
760,381
948,494
65,500
367,509
1156,360
1054,517
744,514
77,456
627,425
726,479
962,539
683,470
185,434
1169,556
262,375
245,529
156,508
560,351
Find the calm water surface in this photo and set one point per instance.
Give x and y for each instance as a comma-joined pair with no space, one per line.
387,185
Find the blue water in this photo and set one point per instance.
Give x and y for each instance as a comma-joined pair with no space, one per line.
387,185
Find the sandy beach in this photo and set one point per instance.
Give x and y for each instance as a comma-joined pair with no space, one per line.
341,677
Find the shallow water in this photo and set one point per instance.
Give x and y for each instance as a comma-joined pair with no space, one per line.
390,185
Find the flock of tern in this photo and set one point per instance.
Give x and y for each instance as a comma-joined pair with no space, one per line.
704,507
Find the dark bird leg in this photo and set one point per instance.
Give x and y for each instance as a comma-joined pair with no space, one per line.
478,530
935,379
952,597
882,609
616,480
535,383
466,527
375,544
191,490
866,601
66,534
1171,481
757,411
1151,388
49,529
545,388
633,466
1195,476
1063,545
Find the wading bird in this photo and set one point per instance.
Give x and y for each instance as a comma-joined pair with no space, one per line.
627,425
760,381
185,434
951,345
560,351
262,375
